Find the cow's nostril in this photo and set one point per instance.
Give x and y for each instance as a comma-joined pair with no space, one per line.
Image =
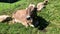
28,18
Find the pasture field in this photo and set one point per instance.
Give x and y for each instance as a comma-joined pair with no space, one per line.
49,17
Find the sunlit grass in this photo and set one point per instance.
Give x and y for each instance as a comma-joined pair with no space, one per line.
51,13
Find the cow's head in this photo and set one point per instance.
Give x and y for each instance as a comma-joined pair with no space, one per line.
29,11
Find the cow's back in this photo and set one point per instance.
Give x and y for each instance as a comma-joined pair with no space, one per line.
20,15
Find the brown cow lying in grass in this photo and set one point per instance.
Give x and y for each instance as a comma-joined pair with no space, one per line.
24,16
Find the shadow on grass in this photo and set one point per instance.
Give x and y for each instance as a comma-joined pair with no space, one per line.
9,1
38,21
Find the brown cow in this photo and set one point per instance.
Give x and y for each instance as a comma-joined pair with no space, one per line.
23,16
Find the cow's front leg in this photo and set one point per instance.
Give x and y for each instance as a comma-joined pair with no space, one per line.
31,25
25,24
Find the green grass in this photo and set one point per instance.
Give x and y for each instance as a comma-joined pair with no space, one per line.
51,14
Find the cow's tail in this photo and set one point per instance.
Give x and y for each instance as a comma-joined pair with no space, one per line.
5,18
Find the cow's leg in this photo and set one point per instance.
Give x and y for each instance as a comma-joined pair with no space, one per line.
24,23
31,25
12,22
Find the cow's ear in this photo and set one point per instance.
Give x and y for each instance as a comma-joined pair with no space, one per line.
41,5
30,7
